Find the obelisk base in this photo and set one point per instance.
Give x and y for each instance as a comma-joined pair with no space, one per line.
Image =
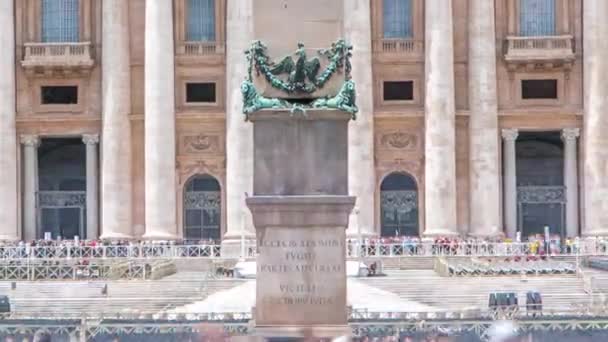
301,265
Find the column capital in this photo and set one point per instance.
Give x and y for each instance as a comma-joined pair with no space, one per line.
29,140
90,139
570,133
510,133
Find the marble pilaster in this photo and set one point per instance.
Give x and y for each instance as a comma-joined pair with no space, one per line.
484,170
9,185
510,181
595,136
116,184
361,168
569,136
92,202
30,185
440,117
239,134
160,164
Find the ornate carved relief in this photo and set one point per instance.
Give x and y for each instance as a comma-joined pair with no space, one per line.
399,201
193,144
413,167
60,199
399,140
541,194
187,168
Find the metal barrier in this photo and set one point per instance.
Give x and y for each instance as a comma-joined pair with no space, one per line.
514,312
378,248
25,271
368,248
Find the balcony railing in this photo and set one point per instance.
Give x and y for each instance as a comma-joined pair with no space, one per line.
199,48
539,49
408,48
58,56
190,52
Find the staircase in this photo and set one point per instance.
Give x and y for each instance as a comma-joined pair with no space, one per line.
406,263
77,298
458,293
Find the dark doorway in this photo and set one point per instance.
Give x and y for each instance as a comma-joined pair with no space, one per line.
62,188
540,183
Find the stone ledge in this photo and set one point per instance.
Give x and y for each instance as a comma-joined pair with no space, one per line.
311,114
318,331
301,211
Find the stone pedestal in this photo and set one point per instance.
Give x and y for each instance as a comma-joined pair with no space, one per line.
301,273
300,155
300,211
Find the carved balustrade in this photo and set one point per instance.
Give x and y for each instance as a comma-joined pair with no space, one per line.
199,48
50,57
197,52
409,49
550,50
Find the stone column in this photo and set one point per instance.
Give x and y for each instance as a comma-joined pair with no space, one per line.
30,184
9,185
484,170
160,179
569,136
510,181
361,168
595,137
116,184
239,134
440,135
91,141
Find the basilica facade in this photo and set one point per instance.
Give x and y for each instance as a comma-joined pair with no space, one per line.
123,119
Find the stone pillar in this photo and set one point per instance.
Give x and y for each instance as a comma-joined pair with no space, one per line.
9,185
510,181
239,134
116,184
30,184
91,141
484,170
361,168
569,136
595,137
160,179
440,135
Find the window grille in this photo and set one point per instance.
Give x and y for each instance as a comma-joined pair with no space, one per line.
60,21
201,20
537,17
397,18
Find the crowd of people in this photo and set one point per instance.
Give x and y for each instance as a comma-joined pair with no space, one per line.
533,245
383,246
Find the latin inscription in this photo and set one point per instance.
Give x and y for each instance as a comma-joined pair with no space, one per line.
310,261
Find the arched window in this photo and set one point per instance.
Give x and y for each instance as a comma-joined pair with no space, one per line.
202,208
397,18
537,17
201,20
399,205
60,21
